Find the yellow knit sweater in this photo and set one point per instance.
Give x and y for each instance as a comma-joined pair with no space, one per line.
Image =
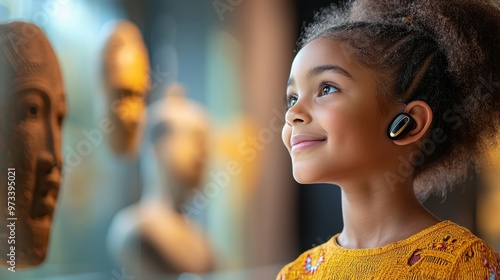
443,251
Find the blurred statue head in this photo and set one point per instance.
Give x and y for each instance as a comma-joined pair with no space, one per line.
32,109
179,131
126,80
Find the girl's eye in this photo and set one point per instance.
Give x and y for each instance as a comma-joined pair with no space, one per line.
290,101
328,89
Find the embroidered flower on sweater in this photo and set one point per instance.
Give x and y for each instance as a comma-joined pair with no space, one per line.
415,257
447,244
492,269
311,268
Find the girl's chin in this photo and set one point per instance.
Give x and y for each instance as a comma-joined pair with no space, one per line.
301,179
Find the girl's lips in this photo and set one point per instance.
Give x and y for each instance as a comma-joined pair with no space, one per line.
302,141
305,144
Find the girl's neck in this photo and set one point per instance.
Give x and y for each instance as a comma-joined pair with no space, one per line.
375,215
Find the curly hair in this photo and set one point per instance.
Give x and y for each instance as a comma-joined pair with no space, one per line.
443,52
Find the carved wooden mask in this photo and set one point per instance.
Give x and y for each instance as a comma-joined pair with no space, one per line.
32,109
126,79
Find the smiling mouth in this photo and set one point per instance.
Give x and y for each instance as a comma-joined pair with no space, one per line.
303,141
305,144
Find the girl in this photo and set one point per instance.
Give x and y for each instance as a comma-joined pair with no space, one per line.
392,101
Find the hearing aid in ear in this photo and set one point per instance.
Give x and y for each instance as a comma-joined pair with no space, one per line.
400,126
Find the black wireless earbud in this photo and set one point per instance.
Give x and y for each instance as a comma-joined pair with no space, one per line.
400,126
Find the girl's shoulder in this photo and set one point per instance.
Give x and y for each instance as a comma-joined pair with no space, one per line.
470,256
443,251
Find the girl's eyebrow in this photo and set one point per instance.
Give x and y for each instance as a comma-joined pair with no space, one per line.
322,68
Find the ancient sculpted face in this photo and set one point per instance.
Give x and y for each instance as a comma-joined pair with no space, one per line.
180,133
33,107
126,79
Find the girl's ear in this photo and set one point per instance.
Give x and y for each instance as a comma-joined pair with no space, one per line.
422,114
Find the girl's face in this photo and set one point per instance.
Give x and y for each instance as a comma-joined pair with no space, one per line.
335,127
